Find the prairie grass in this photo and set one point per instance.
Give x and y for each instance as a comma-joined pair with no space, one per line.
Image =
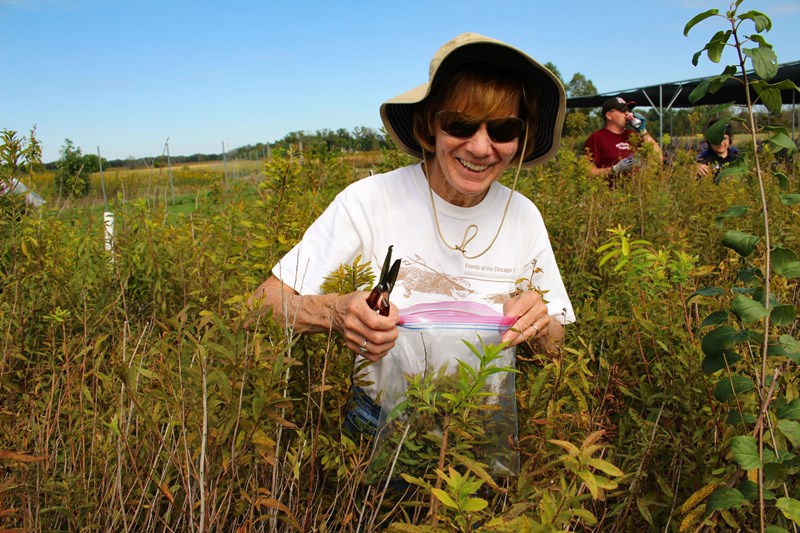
137,393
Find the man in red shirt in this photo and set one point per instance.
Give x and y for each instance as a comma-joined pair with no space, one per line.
609,149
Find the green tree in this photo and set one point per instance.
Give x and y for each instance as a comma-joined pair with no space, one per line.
72,176
18,155
92,162
554,69
579,85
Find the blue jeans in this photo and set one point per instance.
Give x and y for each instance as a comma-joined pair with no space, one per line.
362,413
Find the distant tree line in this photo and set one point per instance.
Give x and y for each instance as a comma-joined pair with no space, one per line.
73,169
359,139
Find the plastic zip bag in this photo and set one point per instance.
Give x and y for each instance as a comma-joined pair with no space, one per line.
450,384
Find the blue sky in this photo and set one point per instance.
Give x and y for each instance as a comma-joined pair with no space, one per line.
127,75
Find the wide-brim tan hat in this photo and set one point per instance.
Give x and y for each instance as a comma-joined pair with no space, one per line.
398,113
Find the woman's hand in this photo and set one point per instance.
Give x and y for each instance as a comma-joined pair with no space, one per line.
533,321
703,170
366,332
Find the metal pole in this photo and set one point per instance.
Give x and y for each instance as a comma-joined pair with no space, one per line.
661,117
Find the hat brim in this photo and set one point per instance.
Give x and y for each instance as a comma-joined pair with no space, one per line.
397,113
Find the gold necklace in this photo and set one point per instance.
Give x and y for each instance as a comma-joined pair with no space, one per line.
467,238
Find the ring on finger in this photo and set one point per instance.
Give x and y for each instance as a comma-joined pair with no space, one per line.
364,347
536,328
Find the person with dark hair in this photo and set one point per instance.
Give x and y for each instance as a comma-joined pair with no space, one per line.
610,149
459,233
716,156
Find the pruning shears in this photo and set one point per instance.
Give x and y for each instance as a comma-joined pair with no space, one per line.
378,299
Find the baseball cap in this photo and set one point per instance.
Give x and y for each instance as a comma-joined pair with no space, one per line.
617,103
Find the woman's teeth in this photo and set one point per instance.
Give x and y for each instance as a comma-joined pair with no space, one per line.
474,168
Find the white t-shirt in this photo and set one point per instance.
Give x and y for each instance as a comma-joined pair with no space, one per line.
395,209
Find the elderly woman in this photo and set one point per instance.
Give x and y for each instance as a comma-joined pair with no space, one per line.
460,234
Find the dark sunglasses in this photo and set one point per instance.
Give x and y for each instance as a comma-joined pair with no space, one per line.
500,130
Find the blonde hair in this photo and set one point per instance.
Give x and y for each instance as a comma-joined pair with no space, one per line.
480,91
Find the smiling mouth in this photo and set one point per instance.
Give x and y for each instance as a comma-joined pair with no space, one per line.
470,166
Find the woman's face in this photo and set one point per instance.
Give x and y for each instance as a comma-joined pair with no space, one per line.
465,167
722,148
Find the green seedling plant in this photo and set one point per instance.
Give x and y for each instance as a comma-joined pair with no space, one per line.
749,346
442,419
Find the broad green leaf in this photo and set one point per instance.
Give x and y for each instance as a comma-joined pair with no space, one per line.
716,46
707,291
735,211
735,169
790,270
790,509
775,529
734,418
715,319
762,22
695,61
770,98
759,296
781,140
745,452
776,349
716,131
749,489
724,498
790,430
782,315
783,85
718,340
790,411
741,243
765,61
697,19
780,256
702,88
781,456
759,40
750,275
775,473
783,181
790,344
748,310
719,360
729,387
790,199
